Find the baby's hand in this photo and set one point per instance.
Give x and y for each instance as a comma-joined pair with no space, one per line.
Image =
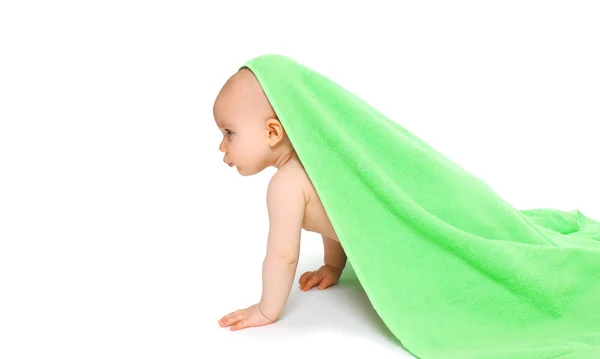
324,277
244,318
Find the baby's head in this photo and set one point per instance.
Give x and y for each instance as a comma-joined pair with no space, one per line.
253,137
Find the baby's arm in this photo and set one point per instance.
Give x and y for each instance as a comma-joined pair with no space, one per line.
286,205
329,273
334,254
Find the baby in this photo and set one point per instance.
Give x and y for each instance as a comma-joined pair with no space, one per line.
254,139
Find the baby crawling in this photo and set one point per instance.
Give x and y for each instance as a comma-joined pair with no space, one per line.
254,139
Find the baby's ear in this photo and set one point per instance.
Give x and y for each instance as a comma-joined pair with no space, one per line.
275,131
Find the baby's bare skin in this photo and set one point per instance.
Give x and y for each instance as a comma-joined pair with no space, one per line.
254,139
315,217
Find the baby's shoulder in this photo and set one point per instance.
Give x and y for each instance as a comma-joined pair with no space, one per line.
292,178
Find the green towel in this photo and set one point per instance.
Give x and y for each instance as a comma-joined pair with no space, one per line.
452,269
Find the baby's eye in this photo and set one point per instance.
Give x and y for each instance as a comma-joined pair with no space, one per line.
229,133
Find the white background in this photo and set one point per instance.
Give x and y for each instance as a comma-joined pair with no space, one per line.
124,235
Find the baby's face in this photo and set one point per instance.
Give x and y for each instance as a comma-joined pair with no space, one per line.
243,140
241,120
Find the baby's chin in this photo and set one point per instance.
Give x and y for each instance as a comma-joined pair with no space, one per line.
246,173
241,171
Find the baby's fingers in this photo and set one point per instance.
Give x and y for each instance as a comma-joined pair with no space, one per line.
231,318
314,280
240,325
305,277
326,282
